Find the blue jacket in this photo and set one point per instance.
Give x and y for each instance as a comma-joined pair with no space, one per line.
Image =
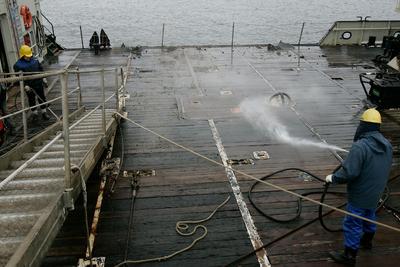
32,65
366,170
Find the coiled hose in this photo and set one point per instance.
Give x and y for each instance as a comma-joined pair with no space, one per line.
323,193
321,215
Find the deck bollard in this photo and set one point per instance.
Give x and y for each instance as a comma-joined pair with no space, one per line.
65,113
78,78
103,100
22,98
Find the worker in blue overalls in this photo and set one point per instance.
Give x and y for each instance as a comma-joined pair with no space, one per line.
33,88
366,171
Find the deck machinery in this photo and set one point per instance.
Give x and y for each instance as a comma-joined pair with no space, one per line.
383,87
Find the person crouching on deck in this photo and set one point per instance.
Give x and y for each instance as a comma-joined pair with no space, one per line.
366,171
33,88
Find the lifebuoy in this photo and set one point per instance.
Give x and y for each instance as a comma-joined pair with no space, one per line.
26,16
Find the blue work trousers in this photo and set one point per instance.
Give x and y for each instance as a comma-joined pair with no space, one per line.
354,228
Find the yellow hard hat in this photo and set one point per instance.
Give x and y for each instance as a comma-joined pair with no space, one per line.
25,51
371,115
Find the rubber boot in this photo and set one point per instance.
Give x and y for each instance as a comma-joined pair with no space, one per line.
34,116
347,258
45,116
366,240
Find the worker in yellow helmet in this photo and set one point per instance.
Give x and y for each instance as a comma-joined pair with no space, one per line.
365,171
33,88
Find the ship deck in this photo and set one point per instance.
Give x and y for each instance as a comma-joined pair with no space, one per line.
191,96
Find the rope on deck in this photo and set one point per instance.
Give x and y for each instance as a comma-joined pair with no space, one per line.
182,228
257,179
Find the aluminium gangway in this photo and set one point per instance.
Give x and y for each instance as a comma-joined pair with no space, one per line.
36,192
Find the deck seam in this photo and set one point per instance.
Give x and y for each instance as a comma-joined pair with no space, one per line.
244,211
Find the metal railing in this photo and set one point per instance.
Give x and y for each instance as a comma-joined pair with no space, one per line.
63,78
51,24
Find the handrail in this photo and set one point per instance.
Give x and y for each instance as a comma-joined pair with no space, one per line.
38,105
47,29
41,151
40,75
31,77
52,73
51,24
66,128
64,88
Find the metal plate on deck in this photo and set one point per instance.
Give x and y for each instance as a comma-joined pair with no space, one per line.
261,155
207,107
240,162
96,262
226,92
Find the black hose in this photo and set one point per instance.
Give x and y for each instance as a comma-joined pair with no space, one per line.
299,200
321,215
242,258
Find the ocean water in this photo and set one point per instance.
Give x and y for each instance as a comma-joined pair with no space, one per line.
194,22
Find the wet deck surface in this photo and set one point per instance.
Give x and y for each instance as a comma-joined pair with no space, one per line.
181,94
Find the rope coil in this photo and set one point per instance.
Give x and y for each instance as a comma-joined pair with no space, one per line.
181,228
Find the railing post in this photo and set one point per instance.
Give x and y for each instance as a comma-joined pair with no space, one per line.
65,113
116,90
78,77
122,75
80,29
123,82
103,100
233,34
22,98
298,45
162,36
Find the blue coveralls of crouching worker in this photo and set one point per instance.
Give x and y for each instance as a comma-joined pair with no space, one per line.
366,172
33,88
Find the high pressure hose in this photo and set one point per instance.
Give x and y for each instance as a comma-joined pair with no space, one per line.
299,201
382,204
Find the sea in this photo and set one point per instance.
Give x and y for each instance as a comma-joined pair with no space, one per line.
205,22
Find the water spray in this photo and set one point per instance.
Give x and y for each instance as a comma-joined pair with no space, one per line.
263,118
